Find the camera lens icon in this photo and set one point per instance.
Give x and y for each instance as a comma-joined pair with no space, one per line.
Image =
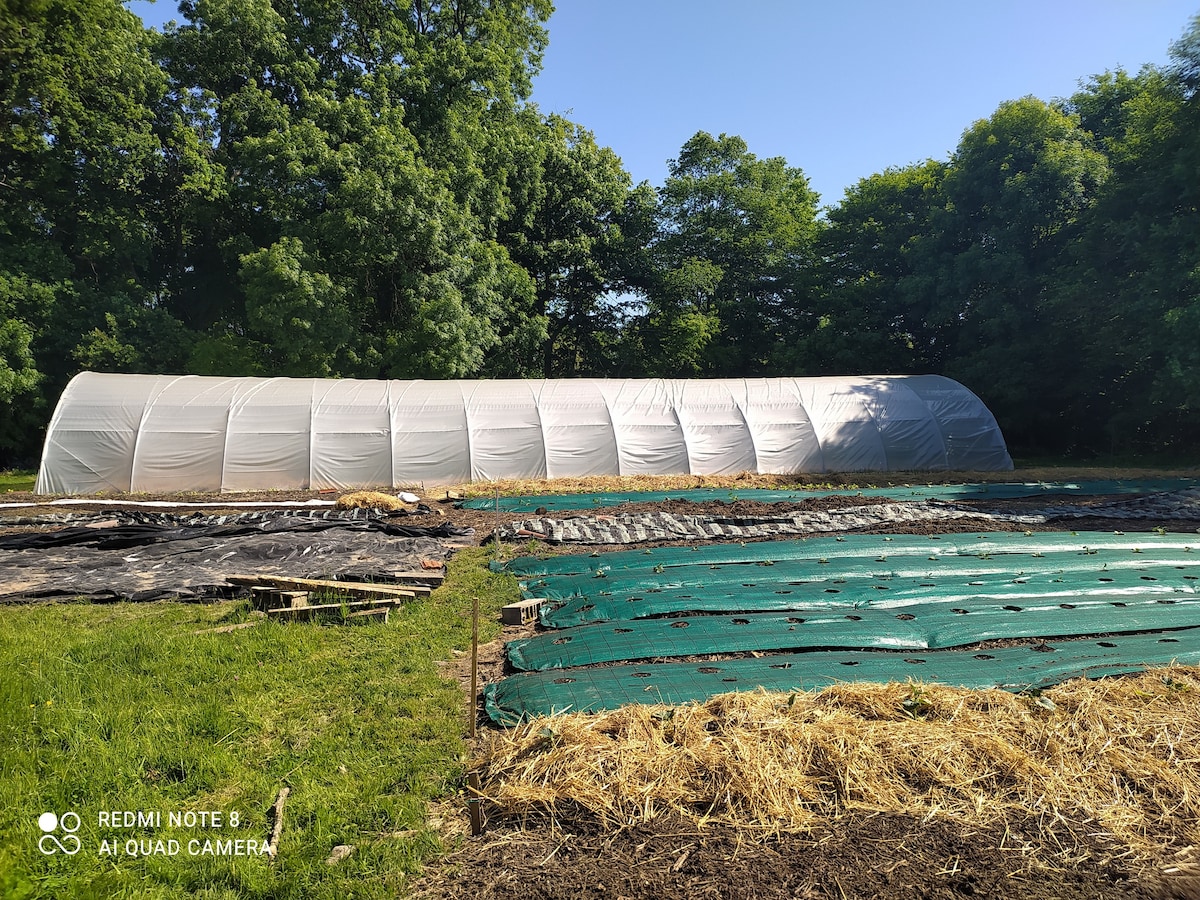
50,842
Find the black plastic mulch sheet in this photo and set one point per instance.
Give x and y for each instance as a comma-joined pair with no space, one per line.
151,556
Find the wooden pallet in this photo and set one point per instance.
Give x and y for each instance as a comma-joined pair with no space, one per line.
347,588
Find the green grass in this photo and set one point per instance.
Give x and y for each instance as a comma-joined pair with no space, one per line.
121,707
17,481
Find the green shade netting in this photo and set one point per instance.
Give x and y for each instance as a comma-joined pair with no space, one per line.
923,626
1037,588
559,502
863,546
767,589
1014,668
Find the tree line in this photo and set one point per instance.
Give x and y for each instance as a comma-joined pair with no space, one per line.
344,189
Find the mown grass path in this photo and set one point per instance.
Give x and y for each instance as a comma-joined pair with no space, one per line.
122,707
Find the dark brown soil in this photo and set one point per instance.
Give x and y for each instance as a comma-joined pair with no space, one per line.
484,521
855,856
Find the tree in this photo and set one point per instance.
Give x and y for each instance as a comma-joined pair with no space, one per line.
1015,189
565,232
1134,277
81,156
733,255
361,151
874,305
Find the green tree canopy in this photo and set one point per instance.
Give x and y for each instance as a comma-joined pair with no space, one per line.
733,258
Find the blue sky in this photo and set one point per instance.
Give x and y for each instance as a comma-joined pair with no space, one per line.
840,88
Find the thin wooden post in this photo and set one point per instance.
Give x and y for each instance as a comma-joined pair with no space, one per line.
496,526
474,712
473,800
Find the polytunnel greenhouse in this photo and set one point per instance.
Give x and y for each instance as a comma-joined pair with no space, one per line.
160,433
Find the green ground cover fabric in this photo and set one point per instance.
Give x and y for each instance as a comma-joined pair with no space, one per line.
980,491
1113,585
923,626
979,545
949,573
1015,668
855,607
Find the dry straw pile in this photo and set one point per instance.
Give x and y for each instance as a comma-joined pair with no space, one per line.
1117,758
596,484
369,500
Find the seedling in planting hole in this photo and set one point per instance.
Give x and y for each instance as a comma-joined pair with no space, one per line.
915,705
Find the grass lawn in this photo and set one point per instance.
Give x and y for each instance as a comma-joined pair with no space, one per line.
17,481
121,707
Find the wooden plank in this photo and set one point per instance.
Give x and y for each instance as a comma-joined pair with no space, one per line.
349,588
225,629
364,616
429,579
267,598
425,576
264,598
305,613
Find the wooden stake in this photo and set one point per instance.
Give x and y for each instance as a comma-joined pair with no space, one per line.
496,527
474,664
473,801
277,813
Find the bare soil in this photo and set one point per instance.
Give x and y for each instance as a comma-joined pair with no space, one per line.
854,856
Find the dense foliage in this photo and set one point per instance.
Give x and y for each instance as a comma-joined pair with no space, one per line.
330,188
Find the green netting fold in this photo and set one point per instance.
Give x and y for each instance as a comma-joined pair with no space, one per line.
982,491
916,627
1015,668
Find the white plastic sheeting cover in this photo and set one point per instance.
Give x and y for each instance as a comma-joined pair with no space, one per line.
177,433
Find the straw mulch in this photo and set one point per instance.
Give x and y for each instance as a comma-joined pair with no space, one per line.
1116,759
595,484
369,500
